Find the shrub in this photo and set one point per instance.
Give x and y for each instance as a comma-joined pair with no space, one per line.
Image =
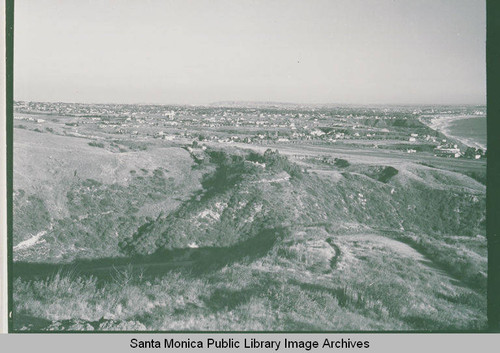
96,144
341,163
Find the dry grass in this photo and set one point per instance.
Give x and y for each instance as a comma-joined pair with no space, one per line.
326,269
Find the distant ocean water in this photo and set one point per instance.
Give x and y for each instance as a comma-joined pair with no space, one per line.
472,131
469,129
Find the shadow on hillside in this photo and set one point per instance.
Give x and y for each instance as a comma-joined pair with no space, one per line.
194,260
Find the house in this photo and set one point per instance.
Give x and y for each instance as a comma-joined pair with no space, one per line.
317,133
447,152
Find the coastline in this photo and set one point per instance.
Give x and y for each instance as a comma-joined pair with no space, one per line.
443,124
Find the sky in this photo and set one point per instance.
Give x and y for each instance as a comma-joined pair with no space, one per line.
205,51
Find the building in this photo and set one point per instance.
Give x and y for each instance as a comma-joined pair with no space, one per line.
447,152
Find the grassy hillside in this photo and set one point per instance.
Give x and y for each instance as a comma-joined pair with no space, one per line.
256,242
99,197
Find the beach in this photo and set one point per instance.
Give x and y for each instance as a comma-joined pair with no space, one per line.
468,129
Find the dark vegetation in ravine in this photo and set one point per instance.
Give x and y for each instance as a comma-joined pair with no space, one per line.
240,187
193,260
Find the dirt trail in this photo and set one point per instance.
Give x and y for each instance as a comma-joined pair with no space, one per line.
28,243
396,246
35,239
336,258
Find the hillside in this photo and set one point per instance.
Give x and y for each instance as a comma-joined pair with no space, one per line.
79,194
181,238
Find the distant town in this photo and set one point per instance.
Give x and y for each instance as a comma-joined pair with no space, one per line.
396,128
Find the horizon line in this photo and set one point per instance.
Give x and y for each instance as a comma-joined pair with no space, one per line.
250,102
